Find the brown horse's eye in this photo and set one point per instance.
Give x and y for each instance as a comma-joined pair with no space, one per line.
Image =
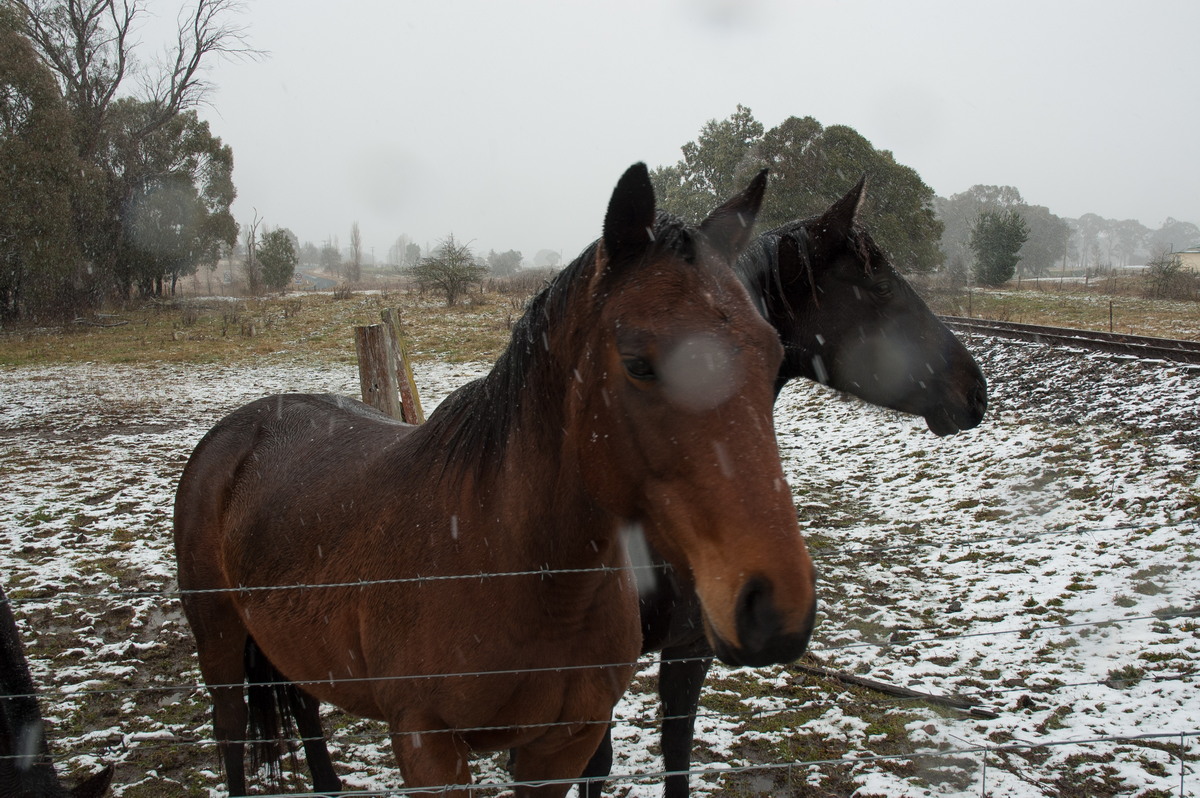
639,368
882,289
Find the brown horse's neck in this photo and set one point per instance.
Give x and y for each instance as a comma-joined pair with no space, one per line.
504,444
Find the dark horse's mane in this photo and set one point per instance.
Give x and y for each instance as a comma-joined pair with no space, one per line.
480,415
759,264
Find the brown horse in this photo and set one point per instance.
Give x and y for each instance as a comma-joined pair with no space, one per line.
635,393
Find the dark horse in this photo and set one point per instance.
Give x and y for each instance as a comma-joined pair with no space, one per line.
635,393
25,767
849,320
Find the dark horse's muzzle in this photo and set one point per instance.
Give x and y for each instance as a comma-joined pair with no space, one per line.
947,418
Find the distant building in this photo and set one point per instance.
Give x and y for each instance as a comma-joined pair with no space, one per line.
1189,259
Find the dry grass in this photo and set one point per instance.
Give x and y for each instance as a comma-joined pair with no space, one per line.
208,330
1076,305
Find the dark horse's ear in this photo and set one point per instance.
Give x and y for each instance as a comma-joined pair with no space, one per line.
833,228
728,228
629,222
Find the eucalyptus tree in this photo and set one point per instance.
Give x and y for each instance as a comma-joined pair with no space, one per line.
812,166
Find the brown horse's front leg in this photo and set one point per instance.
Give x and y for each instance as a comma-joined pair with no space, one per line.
433,759
561,761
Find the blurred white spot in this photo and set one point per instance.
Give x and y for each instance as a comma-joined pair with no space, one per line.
819,370
638,552
29,744
723,460
821,339
699,373
886,361
454,527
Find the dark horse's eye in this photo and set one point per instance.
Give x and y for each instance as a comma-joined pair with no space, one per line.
883,289
638,368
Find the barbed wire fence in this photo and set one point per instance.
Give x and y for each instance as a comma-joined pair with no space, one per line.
1176,742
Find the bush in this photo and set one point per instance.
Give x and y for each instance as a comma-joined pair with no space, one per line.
1165,278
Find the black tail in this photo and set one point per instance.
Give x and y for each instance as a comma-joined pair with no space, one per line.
272,727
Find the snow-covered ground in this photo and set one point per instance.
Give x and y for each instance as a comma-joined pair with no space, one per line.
1042,564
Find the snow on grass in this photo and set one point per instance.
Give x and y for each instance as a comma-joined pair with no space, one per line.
1042,565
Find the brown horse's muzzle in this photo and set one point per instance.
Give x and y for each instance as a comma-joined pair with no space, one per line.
763,636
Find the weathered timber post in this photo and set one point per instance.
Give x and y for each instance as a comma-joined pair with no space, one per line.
377,368
410,400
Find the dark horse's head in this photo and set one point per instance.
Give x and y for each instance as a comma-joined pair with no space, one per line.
849,320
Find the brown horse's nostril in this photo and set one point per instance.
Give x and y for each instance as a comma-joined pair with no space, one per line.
757,619
761,629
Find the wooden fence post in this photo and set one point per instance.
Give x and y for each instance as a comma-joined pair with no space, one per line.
377,368
410,400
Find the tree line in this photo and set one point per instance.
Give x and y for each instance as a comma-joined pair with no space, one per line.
105,192
984,235
1089,244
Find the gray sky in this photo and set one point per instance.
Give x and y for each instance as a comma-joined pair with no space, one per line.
508,123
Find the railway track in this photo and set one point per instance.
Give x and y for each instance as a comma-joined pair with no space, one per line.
1139,346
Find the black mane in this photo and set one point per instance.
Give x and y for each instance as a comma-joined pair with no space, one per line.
758,267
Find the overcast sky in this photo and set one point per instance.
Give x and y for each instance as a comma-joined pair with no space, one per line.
508,123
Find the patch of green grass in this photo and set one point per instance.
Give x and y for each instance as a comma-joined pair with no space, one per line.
1124,676
1054,720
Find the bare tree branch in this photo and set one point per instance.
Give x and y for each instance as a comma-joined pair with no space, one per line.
86,44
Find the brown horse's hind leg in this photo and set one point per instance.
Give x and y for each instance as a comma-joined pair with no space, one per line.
221,645
307,712
433,759
229,724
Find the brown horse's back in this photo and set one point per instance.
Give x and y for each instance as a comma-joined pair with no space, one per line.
281,456
255,507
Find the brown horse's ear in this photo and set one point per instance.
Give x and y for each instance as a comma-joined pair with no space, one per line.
728,228
629,222
833,228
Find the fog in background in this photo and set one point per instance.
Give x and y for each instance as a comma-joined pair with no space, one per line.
507,124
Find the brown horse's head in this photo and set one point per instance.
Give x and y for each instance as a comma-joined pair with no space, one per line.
675,431
850,320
